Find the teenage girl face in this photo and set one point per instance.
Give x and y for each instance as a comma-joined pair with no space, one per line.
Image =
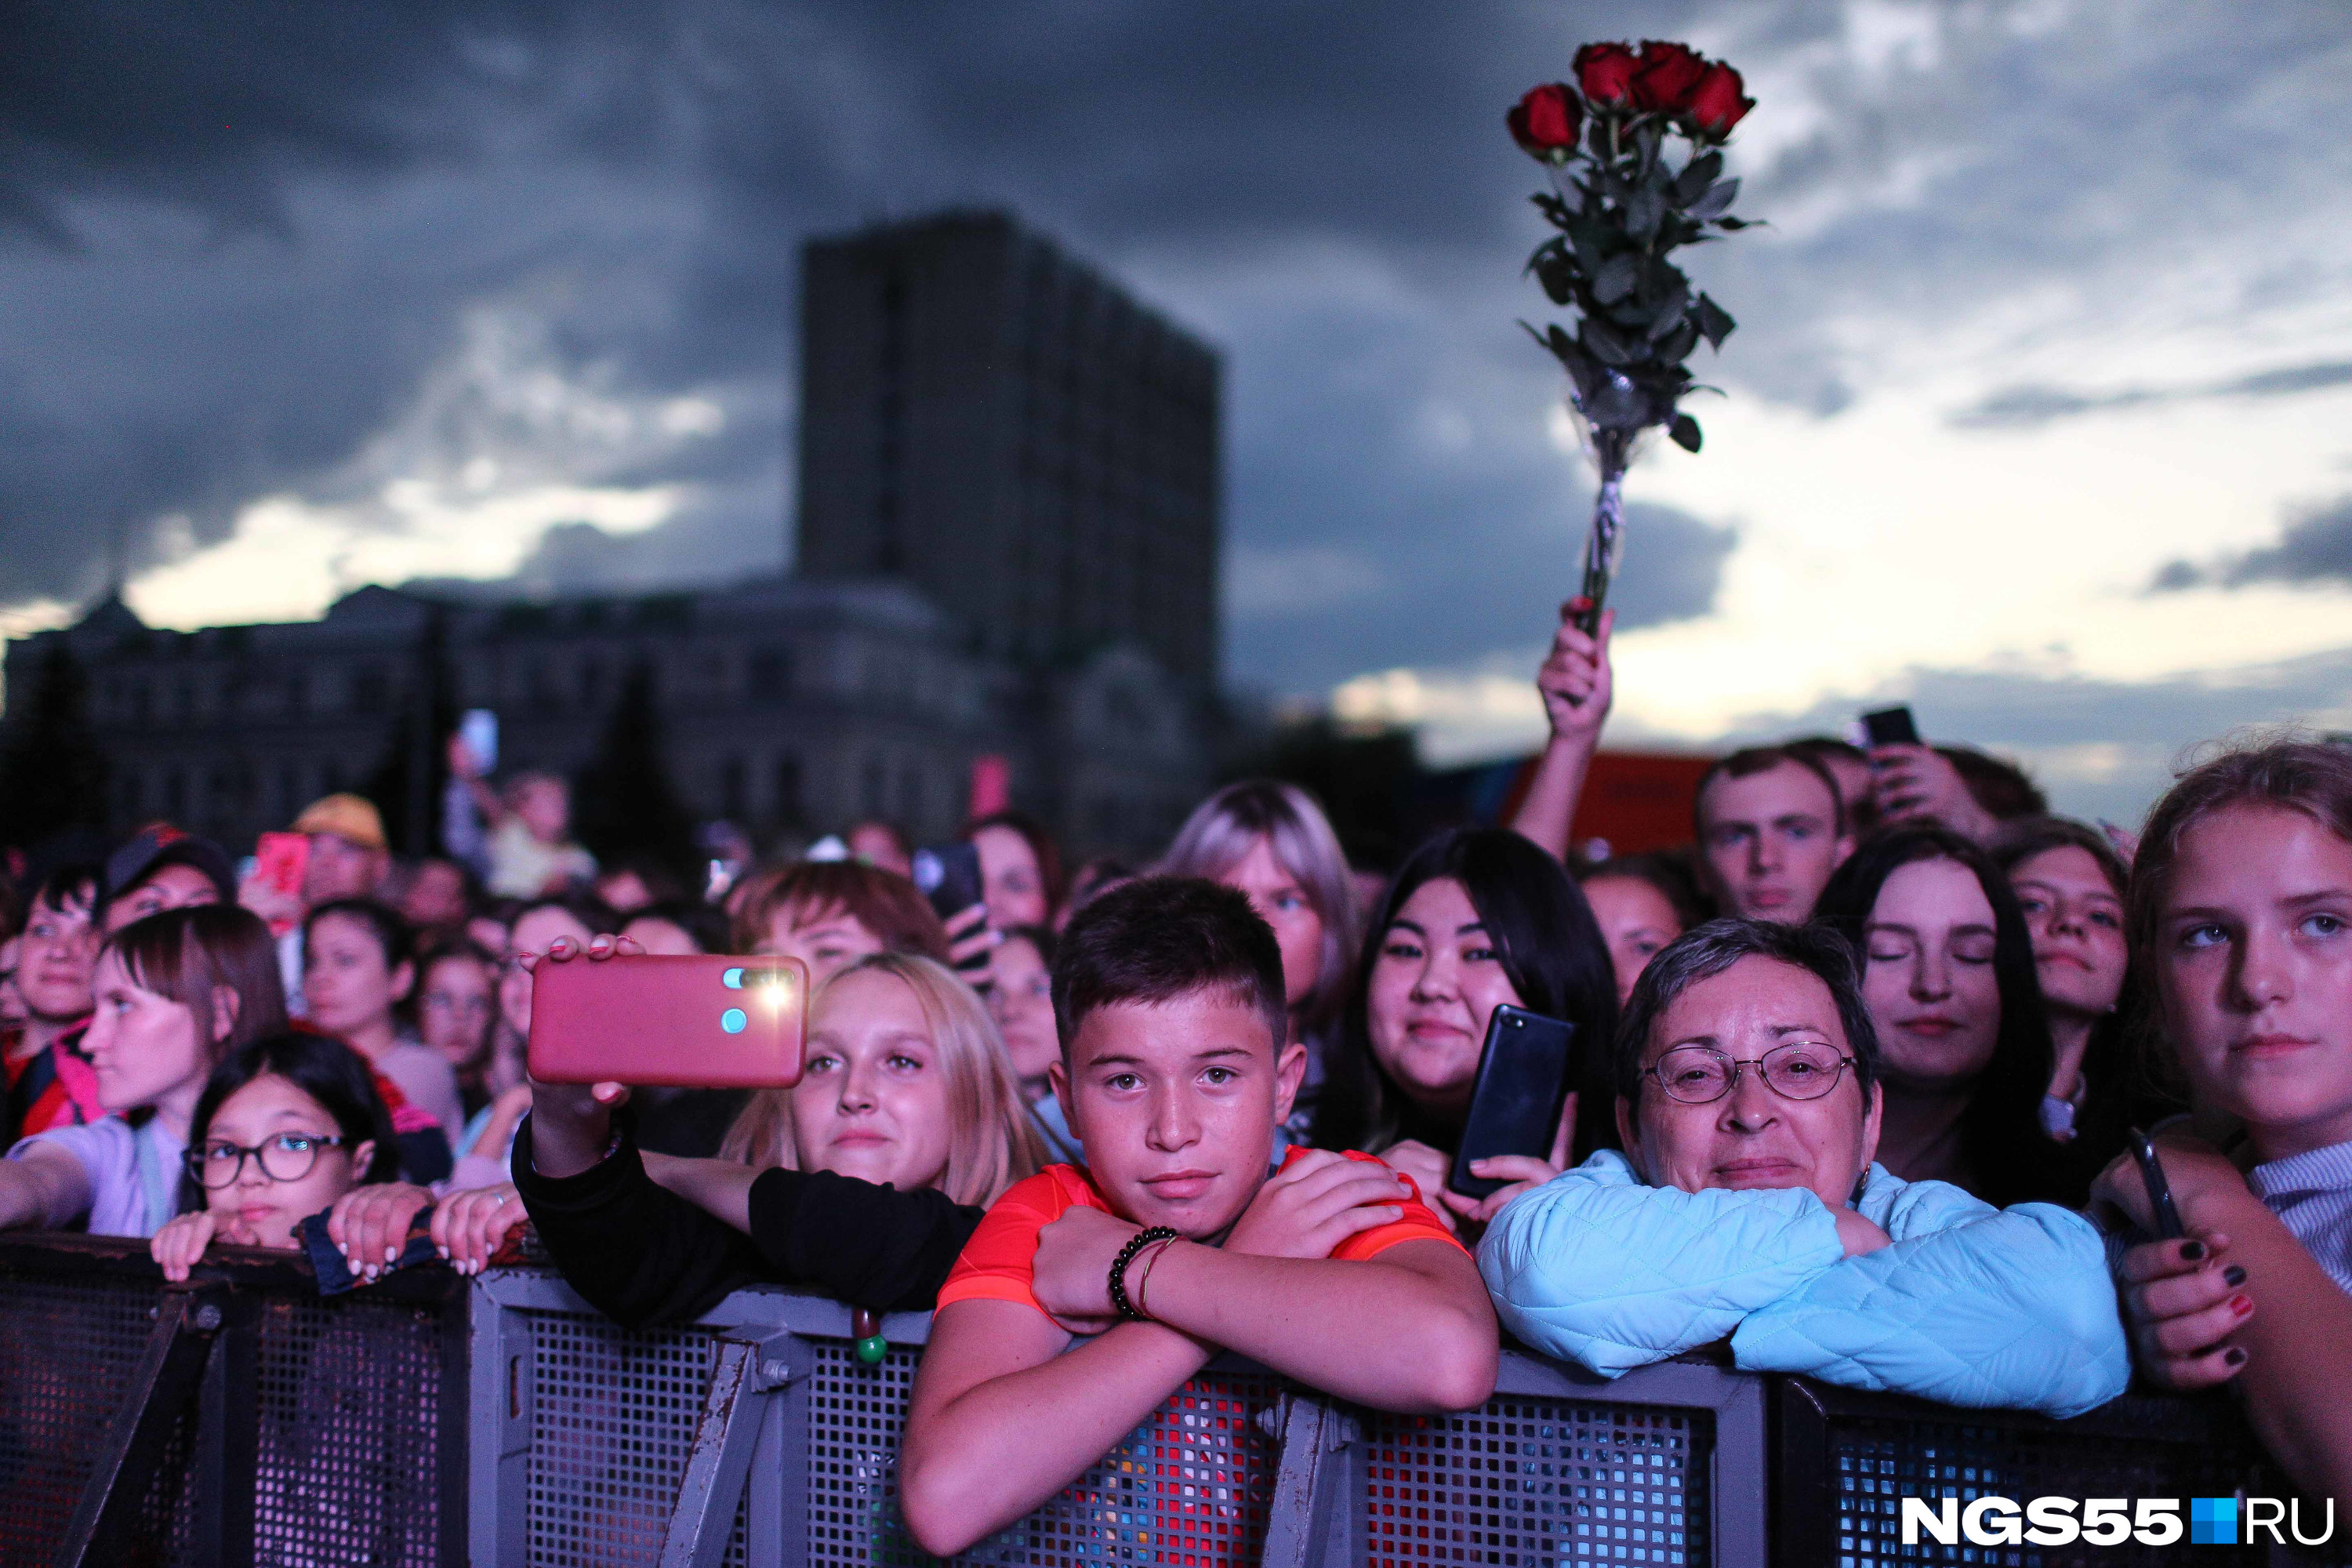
1282,902
142,1045
826,937
1021,999
1636,921
533,933
1437,976
457,1006
2077,919
350,987
1927,975
271,1114
873,1103
2253,966
1011,882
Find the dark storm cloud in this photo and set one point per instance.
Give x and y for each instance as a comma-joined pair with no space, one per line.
244,234
2317,547
2024,407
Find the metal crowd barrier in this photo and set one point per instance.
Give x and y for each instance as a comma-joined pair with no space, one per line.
508,1424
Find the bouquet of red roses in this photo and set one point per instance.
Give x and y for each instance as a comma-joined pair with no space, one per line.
1623,204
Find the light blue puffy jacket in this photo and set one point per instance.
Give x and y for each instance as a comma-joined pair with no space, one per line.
1972,1305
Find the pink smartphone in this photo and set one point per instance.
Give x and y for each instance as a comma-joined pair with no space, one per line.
700,1022
281,859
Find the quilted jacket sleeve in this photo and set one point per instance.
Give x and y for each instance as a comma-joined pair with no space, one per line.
1597,1269
1970,1306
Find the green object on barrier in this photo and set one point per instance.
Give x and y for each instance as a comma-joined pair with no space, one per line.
872,1349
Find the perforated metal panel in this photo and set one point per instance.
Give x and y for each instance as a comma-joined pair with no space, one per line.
613,1418
1524,1482
66,1349
1877,1464
1192,1485
350,1434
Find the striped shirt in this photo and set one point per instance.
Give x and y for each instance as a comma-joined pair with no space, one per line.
2312,1194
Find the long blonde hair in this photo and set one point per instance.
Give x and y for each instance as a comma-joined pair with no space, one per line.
990,1142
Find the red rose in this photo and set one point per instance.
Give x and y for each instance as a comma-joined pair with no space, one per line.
1605,72
1546,120
1668,73
1716,105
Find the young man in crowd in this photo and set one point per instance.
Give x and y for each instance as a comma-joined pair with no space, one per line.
1175,1242
1771,828
349,857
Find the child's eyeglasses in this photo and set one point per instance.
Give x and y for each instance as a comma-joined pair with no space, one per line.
289,1157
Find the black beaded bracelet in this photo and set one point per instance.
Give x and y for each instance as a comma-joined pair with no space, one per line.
1126,1255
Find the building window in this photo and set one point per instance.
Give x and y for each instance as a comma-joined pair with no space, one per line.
175,794
768,676
910,794
731,788
130,795
592,683
870,788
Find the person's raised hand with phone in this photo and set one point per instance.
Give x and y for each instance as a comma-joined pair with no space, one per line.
1914,783
572,1123
1577,685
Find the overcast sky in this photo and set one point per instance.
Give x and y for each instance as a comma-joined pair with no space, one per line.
2040,411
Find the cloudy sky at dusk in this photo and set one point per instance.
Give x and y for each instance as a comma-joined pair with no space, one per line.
2039,412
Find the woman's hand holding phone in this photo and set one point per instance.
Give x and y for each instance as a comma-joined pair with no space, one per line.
572,1123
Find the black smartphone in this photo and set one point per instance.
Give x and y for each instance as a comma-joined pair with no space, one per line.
1891,727
1523,1079
2159,1191
948,876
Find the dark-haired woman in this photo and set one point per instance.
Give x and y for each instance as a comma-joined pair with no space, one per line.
1948,971
286,1126
358,966
1475,919
2070,883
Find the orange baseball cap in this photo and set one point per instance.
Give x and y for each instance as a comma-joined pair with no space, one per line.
349,816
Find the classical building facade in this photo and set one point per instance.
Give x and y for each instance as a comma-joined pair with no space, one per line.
787,706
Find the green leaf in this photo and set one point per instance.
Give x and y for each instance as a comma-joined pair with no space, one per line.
1714,323
1645,209
1697,176
1717,202
1736,222
1615,280
1684,431
1606,343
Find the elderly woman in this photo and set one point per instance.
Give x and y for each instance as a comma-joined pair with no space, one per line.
1746,1204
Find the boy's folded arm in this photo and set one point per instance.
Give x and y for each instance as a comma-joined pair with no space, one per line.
2013,1310
1001,1418
1410,1329
1597,1269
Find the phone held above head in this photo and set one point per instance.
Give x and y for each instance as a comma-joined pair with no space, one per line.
712,1021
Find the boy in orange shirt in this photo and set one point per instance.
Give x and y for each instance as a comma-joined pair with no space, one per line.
1175,1242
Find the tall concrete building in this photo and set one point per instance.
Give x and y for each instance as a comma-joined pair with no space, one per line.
996,422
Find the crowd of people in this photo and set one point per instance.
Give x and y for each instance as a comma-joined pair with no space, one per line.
1850,1085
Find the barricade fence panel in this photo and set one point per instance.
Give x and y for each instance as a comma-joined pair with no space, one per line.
502,1422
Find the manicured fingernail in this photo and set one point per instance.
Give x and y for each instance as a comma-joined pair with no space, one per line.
445,1257
2241,1305
2193,1250
2234,1275
2234,1355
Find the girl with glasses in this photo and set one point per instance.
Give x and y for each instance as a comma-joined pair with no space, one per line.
285,1127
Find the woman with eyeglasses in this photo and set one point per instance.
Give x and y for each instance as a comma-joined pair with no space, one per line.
1747,1204
285,1127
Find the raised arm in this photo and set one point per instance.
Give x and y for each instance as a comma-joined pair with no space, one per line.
2010,1309
1577,688
1597,1269
42,1188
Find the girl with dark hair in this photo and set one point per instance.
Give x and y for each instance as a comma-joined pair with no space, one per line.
1642,904
1948,971
287,1125
2070,883
1020,870
1476,917
358,967
176,992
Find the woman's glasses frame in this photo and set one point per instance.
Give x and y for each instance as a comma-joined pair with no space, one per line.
1736,1066
199,1160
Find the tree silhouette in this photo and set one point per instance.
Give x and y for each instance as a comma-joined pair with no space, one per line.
52,770
622,801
